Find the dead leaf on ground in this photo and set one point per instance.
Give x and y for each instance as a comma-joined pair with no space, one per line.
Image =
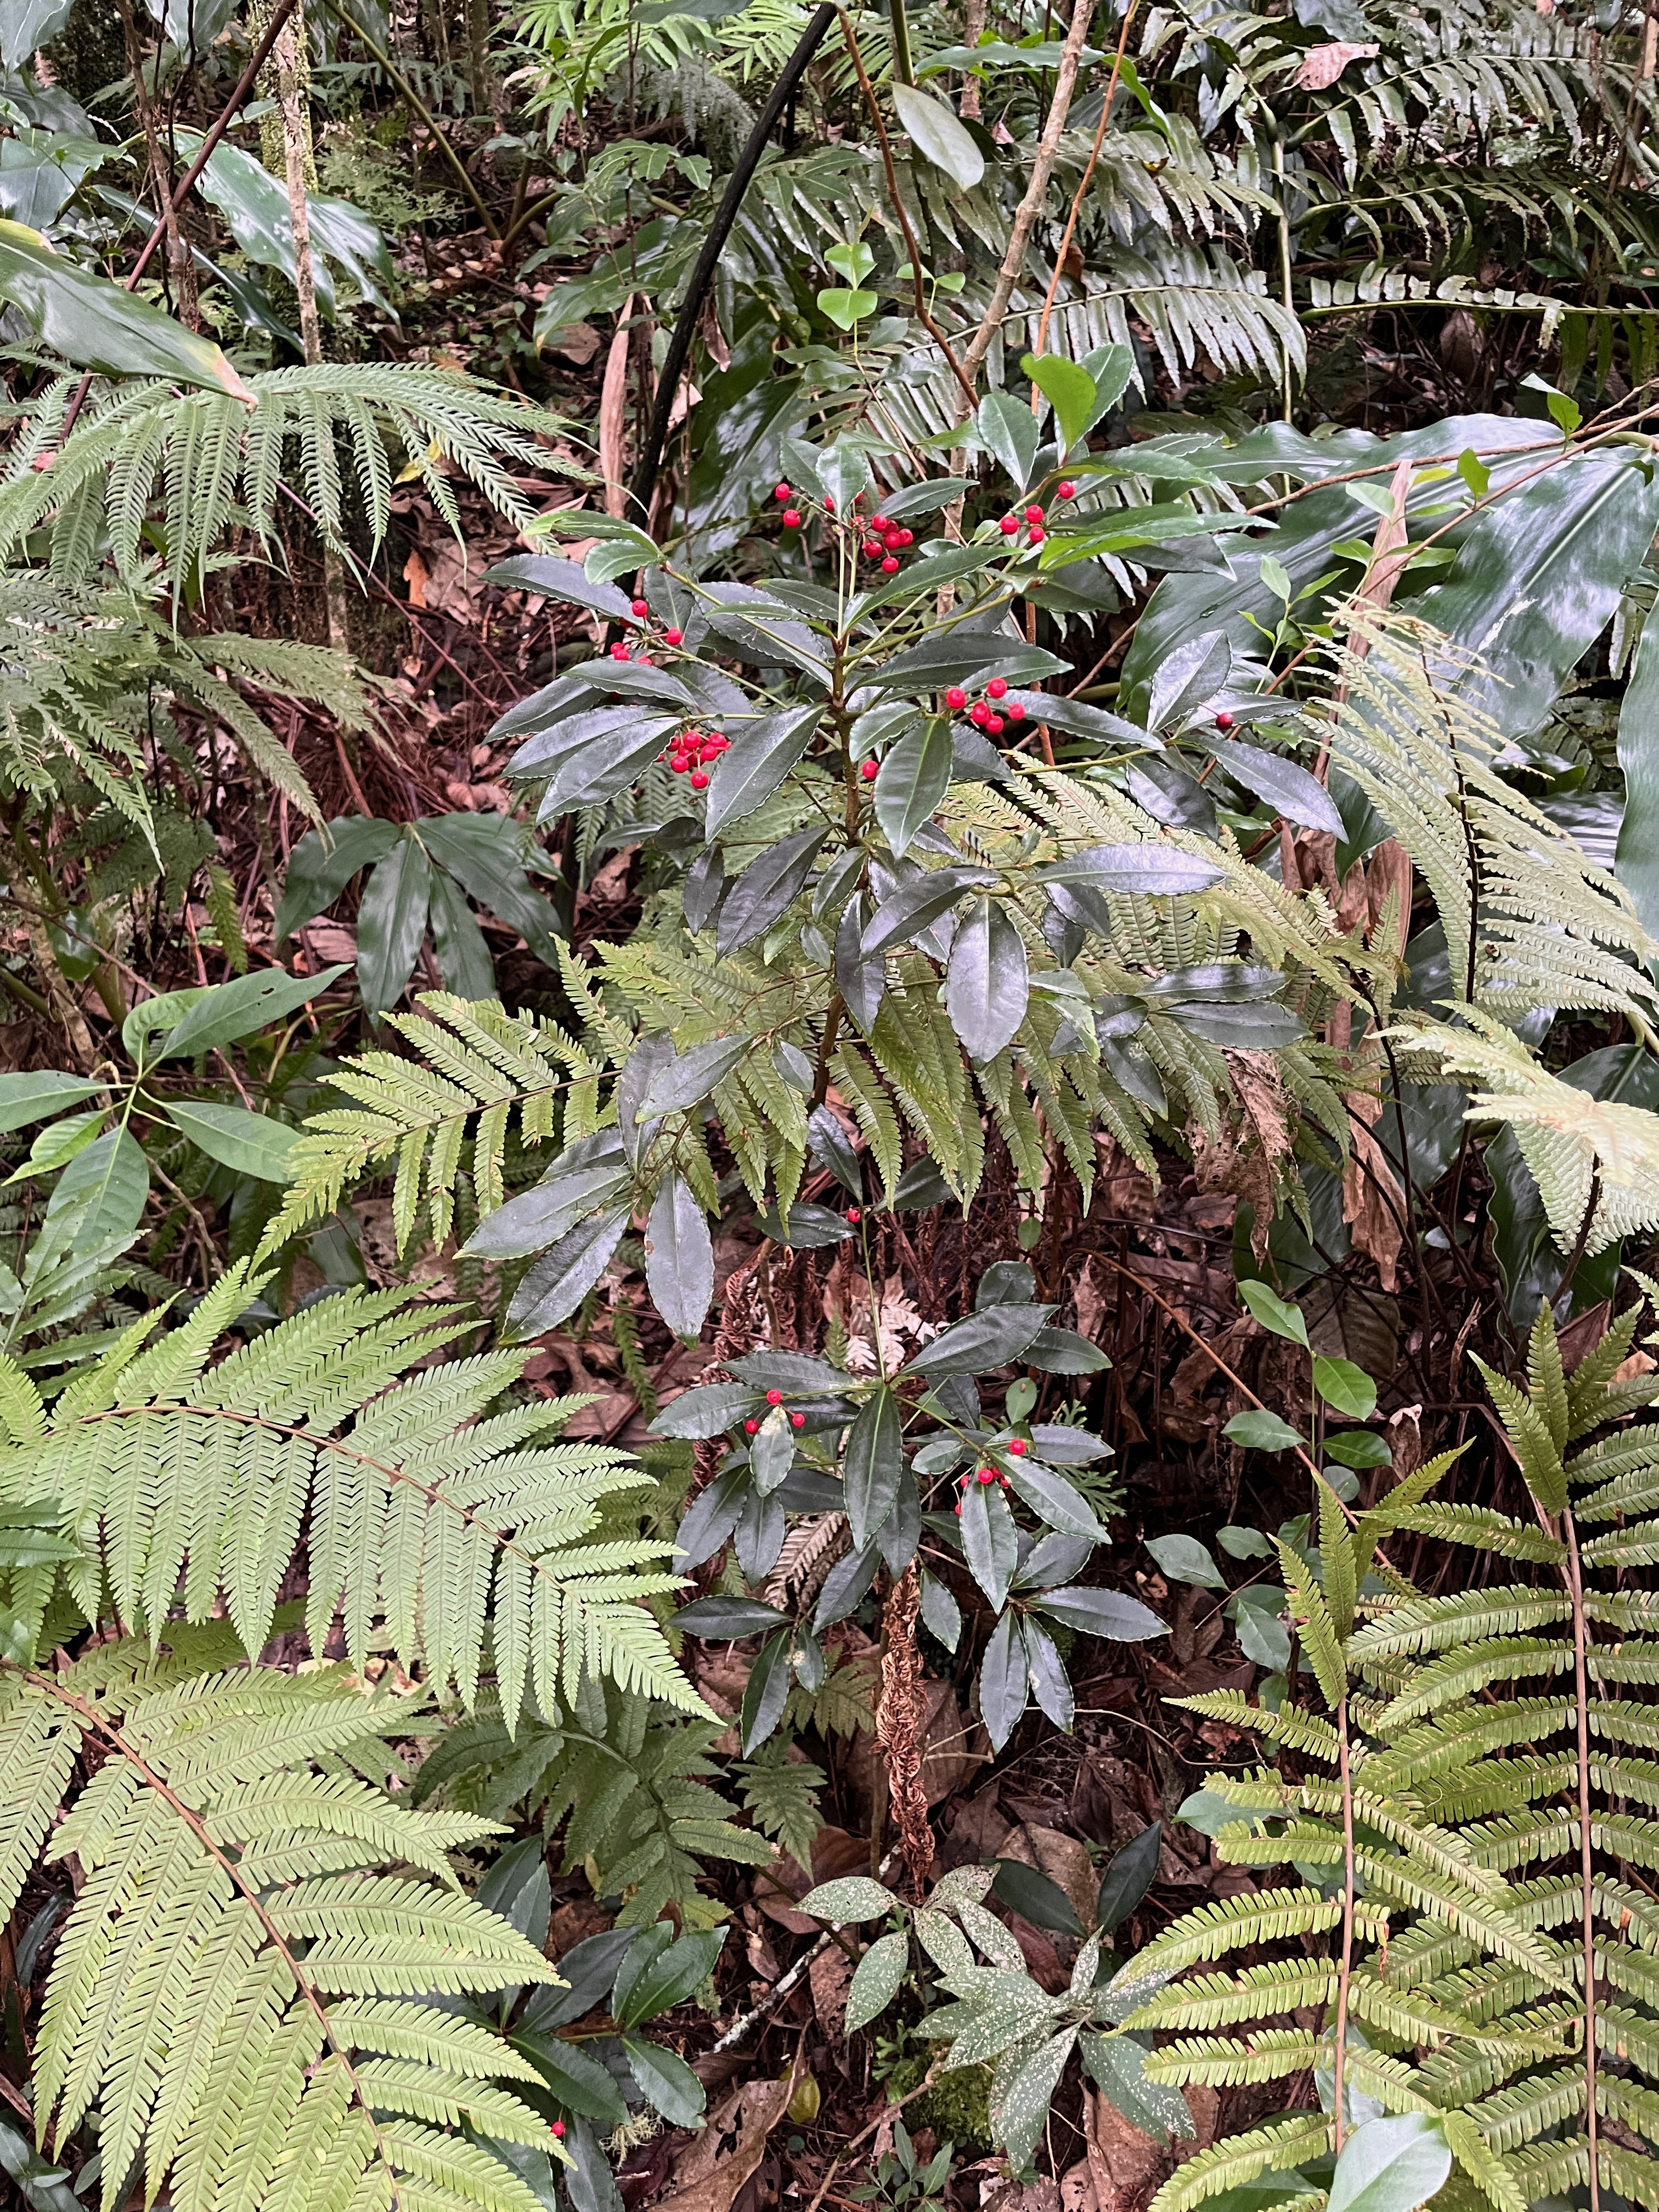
830,1975
1322,65
714,2165
1063,1859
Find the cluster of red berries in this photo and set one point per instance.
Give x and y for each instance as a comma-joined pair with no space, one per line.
775,1398
988,1475
885,539
641,611
1031,520
691,752
988,713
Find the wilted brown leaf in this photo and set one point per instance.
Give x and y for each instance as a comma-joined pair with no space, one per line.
1322,65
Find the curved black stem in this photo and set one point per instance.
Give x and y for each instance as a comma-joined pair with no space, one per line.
685,325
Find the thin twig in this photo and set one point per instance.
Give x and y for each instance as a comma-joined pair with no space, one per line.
1088,173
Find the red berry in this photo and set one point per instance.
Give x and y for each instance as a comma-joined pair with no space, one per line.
956,697
699,779
775,1397
558,2127
1034,515
956,1508
1066,491
1009,525
906,538
1014,711
643,660
997,688
1223,721
673,636
782,492
638,607
889,566
853,1215
679,763
995,725
619,653
979,713
791,519
879,522
1018,1447
828,504
1034,536
869,770
717,737
872,549
987,1474
751,1428
708,753
798,1421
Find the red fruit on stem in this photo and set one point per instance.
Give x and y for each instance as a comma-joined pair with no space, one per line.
872,550
1223,721
1014,711
995,725
1034,536
879,522
775,1397
699,779
979,713
889,566
673,636
906,538
751,1428
869,770
853,1215
558,2127
1018,1447
716,737
638,607
783,492
619,653
1009,525
828,504
997,688
987,1474
798,1421
956,1508
680,763
1034,515
791,519
1066,491
956,697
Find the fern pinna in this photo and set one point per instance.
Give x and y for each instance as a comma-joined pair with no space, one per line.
1468,1818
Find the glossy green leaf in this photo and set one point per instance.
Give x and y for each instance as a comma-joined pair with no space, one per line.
874,1464
1345,1386
1257,1429
914,780
1186,1560
563,1276
659,1970
391,924
759,759
765,891
679,1258
227,1012
766,1692
1008,430
990,1543
1391,2164
720,1618
1103,1613
1058,1503
849,1901
98,1200
31,1096
93,323
1003,1678
324,862
984,1340
941,1616
1133,1871
1070,390
934,131
1274,1312
666,2082
987,984
249,1144
687,1078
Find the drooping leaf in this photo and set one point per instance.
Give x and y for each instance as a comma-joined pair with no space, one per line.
874,1465
1391,2164
679,1258
391,923
914,780
936,131
249,1144
987,985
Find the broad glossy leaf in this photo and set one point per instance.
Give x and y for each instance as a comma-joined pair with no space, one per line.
97,1201
861,981
1035,1898
26,25
1257,1429
658,1973
1263,1638
1070,390
248,1144
615,727
934,130
1058,1503
1153,868
581,1179
458,945
1193,672
1008,430
766,1692
324,862
1002,1681
489,854
604,766
1391,2164
958,656
688,1077
1131,1873
845,1584
391,923
227,1011
983,1340
714,1514
918,902
666,2081
760,758
588,1969
1051,1685
990,1543
721,1619
941,1613
702,889
679,1258
913,781
765,891
579,2083
874,1465
1103,1613
1118,2066
925,498
1274,1313
558,579
31,1096
806,1228
1079,720
1637,863
1340,1383
830,1146
1288,788
93,323
1186,1560
987,984
1064,1352
255,205
562,1277
708,1412
1261,1028
849,1901
875,1980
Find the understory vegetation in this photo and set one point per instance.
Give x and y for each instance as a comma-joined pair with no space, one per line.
829,1106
